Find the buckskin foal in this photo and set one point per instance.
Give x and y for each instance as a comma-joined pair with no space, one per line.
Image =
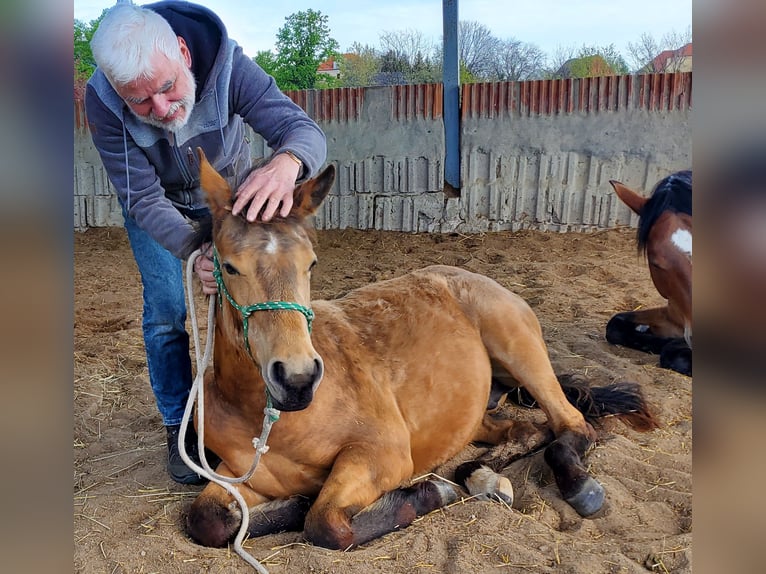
375,388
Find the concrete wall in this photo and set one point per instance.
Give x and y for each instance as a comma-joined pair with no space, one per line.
95,203
535,154
541,154
388,146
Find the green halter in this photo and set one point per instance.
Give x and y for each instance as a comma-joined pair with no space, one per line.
250,309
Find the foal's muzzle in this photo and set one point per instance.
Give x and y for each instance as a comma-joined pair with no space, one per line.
292,388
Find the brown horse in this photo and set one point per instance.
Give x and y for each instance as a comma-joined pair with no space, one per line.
406,368
665,235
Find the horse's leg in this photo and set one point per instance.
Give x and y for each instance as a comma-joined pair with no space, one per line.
350,510
677,356
648,330
215,516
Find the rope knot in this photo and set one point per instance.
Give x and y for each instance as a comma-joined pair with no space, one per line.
271,413
260,446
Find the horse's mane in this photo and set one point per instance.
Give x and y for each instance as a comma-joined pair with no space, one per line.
672,193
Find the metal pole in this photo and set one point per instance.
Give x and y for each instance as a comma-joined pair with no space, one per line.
451,80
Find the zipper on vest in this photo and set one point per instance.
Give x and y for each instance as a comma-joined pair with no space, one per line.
185,173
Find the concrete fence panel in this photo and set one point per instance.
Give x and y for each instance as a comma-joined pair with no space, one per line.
536,154
540,154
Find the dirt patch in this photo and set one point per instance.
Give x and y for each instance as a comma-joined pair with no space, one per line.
128,514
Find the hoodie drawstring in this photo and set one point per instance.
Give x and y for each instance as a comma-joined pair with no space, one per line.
127,164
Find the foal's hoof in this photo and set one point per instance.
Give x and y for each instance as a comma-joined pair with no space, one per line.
210,524
483,483
588,499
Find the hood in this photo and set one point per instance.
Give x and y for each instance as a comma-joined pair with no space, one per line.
205,35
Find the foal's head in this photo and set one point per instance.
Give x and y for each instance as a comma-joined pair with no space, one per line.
665,234
264,274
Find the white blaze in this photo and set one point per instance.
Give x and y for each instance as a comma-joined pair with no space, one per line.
271,246
682,239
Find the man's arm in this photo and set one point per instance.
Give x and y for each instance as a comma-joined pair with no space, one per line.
286,128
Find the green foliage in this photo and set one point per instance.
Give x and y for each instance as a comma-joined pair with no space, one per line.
359,67
267,60
611,56
466,77
303,43
325,81
591,61
84,64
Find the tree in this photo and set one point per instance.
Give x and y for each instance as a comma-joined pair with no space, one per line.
587,62
405,45
84,64
516,60
559,58
477,49
612,56
267,60
406,57
303,43
643,52
359,66
394,69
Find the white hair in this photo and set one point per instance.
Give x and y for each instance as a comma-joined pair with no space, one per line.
126,40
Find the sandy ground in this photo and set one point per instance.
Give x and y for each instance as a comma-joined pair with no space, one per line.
128,514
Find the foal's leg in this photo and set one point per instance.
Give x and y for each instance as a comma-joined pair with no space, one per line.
480,477
350,510
513,338
215,516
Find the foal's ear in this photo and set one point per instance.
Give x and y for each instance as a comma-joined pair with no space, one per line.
308,196
629,197
215,187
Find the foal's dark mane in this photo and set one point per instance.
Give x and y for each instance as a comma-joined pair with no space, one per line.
672,193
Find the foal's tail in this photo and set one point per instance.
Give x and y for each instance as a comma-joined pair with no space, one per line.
623,400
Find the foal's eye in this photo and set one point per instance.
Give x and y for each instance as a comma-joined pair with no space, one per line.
230,269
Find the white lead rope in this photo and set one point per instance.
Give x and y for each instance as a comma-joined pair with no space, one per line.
197,394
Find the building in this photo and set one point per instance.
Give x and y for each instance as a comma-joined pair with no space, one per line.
330,67
679,60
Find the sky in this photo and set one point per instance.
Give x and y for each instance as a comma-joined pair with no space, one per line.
550,24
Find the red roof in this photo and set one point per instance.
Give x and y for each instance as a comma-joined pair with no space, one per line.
658,63
327,65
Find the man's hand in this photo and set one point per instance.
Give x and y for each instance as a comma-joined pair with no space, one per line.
267,188
203,266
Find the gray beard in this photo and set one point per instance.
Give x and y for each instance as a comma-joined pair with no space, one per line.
173,126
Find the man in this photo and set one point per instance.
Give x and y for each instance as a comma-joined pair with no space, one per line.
169,80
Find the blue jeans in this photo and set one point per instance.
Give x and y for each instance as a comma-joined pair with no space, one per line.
164,323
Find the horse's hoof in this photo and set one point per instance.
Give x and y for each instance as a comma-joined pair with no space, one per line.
589,497
677,356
